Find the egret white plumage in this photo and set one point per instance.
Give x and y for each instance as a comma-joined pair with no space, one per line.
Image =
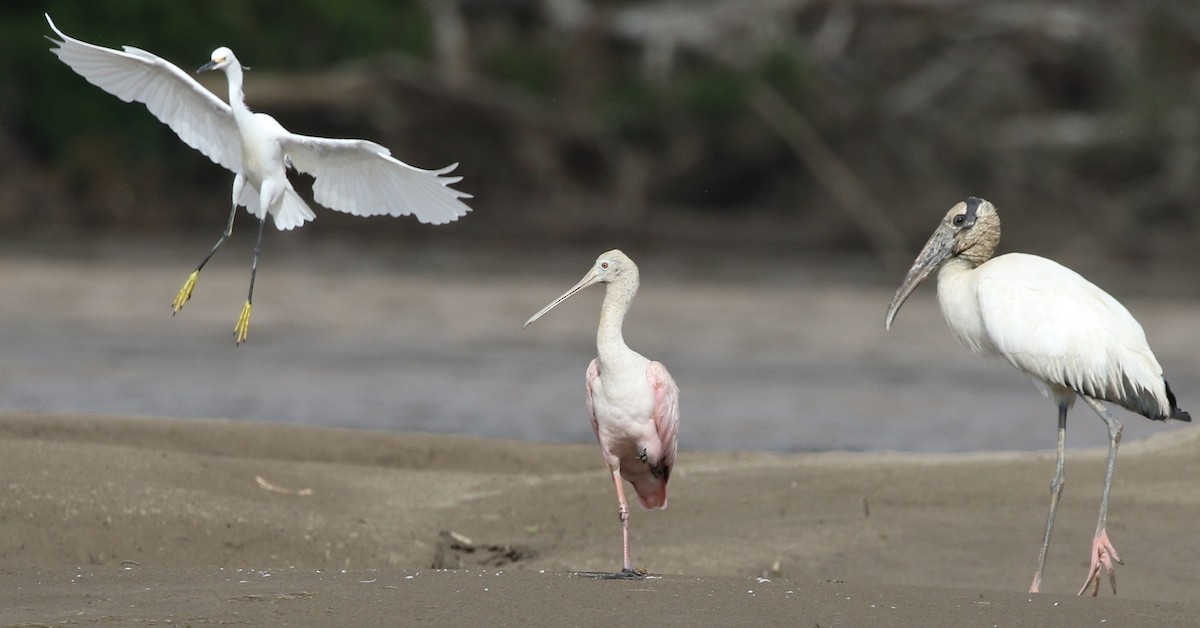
1070,336
633,401
358,177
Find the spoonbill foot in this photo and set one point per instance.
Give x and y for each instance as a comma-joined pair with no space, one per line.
624,574
1103,556
243,323
185,292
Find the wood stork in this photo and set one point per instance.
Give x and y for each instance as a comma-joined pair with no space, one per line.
1070,336
353,176
633,401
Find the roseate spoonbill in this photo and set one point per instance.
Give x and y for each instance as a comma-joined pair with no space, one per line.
1070,336
633,401
353,176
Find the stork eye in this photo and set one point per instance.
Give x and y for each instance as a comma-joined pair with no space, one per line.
959,220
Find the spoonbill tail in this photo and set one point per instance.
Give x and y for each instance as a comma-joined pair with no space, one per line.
633,401
353,176
1070,336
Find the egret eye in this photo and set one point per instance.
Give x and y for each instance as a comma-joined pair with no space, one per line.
959,220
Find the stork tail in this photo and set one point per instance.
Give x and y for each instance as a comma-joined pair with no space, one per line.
1177,413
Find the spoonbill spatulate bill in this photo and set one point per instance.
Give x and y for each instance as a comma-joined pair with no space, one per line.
633,401
1070,336
353,176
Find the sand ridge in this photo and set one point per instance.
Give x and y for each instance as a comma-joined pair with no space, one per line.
95,508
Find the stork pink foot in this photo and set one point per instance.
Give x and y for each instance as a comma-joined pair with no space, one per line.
1103,556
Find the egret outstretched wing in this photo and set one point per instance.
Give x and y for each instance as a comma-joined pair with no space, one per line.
353,176
362,178
197,116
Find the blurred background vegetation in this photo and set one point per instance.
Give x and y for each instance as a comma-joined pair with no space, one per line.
834,125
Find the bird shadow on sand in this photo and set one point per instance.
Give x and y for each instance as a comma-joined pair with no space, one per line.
457,551
625,574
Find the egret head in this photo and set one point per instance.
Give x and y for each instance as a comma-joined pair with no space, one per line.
970,231
611,267
221,58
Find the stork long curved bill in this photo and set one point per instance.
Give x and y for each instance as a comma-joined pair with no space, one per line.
938,249
590,278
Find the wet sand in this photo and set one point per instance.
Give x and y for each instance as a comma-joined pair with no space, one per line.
124,521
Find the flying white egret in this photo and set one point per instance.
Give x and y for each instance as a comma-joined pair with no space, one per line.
633,401
353,176
1070,336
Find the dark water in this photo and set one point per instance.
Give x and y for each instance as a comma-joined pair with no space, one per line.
772,351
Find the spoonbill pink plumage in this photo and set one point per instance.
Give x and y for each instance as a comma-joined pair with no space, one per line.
633,401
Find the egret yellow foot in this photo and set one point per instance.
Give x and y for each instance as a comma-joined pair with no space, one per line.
185,292
243,325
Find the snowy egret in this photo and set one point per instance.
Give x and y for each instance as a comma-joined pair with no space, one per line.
353,176
1070,336
633,401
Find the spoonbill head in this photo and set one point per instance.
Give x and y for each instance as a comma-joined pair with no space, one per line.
612,267
1071,337
633,402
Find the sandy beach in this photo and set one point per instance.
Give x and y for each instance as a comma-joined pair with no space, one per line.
122,521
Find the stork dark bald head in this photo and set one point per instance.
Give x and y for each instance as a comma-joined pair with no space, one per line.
969,231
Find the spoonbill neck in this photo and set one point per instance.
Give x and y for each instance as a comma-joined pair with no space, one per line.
610,342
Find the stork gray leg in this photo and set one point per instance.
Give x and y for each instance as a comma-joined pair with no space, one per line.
1056,486
1103,552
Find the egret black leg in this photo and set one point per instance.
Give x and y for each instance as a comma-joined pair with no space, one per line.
243,324
185,292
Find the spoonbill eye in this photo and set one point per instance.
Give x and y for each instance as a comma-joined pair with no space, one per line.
958,220
603,264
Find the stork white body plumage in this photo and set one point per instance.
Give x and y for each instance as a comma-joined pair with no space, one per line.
1054,325
1046,320
633,401
353,176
